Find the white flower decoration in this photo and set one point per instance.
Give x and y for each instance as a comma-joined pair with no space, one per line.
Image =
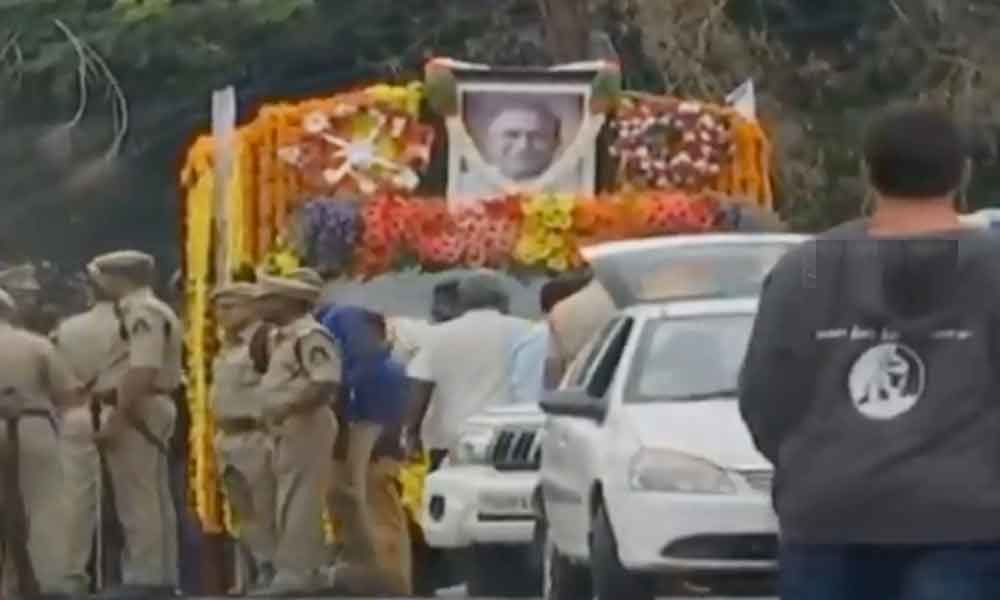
398,127
344,110
407,179
315,122
290,154
689,108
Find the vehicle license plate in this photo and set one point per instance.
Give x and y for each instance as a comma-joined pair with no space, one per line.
504,504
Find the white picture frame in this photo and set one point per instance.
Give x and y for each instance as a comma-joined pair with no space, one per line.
489,98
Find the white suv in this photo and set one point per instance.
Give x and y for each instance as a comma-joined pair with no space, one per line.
478,506
648,474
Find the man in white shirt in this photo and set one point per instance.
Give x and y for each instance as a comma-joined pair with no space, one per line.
464,365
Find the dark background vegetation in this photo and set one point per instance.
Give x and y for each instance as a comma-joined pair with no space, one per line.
822,68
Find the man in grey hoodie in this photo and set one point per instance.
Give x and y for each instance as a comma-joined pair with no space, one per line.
872,384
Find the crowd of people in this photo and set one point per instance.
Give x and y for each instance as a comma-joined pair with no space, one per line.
869,382
316,407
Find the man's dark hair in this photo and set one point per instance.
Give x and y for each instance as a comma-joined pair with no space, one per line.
444,301
482,291
377,322
915,152
555,291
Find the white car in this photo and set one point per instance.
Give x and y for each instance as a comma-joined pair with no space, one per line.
648,474
478,507
987,218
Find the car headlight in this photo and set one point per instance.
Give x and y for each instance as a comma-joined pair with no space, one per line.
473,447
667,471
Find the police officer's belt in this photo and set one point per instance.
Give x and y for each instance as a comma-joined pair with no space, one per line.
238,425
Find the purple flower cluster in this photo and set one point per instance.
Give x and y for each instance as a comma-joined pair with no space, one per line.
329,228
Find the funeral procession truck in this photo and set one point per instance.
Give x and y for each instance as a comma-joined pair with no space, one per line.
392,192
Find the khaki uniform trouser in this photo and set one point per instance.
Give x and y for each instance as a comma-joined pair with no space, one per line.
367,500
302,449
140,480
81,471
41,485
246,461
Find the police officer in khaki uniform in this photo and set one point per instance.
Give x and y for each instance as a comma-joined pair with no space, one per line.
301,383
136,433
242,444
21,282
92,344
36,384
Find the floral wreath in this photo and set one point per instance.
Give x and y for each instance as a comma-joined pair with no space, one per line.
359,146
671,143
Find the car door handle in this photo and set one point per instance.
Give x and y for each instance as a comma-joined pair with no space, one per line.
562,441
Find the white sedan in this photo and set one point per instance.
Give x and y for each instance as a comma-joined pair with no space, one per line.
648,474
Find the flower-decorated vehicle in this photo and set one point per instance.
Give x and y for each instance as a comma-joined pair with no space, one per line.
353,185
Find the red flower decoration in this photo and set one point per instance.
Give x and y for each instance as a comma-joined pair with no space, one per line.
383,234
489,230
672,213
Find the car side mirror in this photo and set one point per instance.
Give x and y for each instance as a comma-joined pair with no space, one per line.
572,403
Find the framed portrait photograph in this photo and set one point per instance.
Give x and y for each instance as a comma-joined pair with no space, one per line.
522,131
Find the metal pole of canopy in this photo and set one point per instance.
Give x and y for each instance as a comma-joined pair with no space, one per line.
223,133
223,129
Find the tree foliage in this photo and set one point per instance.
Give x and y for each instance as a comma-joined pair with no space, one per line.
822,67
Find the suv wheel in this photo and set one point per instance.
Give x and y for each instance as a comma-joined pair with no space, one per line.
611,580
561,579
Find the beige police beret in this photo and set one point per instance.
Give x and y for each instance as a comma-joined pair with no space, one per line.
20,278
236,291
7,302
288,287
306,276
112,262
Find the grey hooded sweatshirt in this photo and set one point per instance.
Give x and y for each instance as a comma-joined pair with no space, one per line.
872,382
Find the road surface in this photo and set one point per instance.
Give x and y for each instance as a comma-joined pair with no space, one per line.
457,593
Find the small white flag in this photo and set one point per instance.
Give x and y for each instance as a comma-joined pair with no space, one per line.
744,100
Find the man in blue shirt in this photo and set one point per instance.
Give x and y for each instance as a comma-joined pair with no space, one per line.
368,456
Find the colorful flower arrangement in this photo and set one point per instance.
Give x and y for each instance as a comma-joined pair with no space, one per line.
541,233
329,182
666,143
360,145
680,144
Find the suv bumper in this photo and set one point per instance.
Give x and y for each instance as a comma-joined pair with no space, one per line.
478,505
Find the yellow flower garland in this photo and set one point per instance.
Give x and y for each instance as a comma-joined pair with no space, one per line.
546,230
198,253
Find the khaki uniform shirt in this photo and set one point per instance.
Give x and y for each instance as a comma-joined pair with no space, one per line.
31,371
92,346
235,382
303,354
154,338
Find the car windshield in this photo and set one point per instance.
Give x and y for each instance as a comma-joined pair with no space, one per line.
689,359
